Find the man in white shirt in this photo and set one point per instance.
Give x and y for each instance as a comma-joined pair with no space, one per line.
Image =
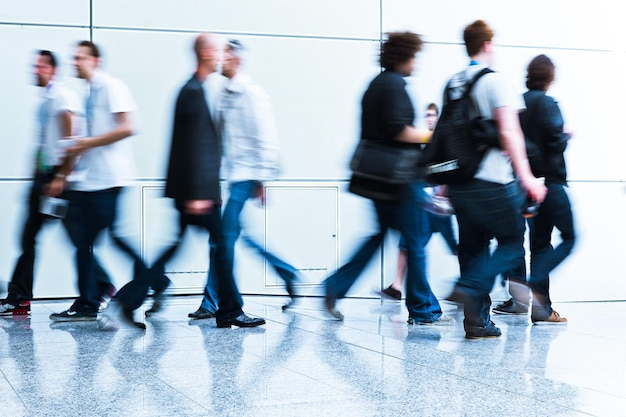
104,166
248,132
491,204
57,118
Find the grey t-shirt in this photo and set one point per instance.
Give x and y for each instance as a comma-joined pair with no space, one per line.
489,93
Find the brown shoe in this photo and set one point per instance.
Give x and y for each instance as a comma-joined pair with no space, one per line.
555,318
392,293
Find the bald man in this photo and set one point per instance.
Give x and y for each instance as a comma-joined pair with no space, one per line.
193,182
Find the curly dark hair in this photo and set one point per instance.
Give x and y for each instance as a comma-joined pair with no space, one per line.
399,48
540,73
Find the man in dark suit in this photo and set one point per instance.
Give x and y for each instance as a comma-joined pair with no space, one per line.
193,183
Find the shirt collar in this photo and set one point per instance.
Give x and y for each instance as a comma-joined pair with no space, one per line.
236,84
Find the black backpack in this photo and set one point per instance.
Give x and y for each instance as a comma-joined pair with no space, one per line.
459,142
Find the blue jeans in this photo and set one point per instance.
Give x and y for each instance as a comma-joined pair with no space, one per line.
555,211
443,225
486,210
412,222
240,192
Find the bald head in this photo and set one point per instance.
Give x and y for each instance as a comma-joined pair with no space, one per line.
206,50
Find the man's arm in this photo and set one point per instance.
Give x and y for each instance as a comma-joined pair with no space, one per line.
123,129
411,134
512,141
56,186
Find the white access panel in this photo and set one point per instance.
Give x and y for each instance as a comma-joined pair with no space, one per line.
298,224
189,267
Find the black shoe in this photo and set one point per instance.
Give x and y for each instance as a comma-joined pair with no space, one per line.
201,313
292,295
484,332
329,303
73,315
457,296
157,304
510,307
129,317
240,321
392,293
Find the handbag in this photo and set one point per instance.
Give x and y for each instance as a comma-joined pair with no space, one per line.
385,161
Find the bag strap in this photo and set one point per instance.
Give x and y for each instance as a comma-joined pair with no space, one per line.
469,85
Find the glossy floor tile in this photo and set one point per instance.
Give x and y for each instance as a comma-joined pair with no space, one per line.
302,363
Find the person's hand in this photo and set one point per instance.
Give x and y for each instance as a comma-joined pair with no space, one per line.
535,187
198,207
55,187
259,193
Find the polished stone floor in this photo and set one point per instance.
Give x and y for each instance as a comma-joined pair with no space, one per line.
304,364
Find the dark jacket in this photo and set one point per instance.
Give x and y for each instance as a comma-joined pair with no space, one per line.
542,124
195,154
386,109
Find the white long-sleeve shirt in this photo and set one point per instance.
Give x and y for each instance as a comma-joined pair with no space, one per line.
246,123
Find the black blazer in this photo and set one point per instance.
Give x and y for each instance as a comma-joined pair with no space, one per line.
195,154
542,124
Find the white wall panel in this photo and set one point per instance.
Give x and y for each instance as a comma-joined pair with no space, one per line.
315,86
574,24
595,270
154,66
315,59
62,12
346,18
20,96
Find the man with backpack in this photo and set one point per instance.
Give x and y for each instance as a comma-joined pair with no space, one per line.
489,203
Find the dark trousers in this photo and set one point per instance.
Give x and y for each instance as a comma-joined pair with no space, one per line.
554,212
485,210
443,225
240,193
132,294
21,284
88,214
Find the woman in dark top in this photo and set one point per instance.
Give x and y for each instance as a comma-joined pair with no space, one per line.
388,115
546,141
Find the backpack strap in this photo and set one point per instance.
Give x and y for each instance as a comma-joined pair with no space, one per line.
469,85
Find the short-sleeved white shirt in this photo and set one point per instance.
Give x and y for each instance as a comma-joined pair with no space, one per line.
489,93
56,99
111,165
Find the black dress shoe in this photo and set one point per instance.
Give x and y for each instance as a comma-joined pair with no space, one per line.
201,313
240,321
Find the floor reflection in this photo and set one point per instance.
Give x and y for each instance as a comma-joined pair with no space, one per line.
302,363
